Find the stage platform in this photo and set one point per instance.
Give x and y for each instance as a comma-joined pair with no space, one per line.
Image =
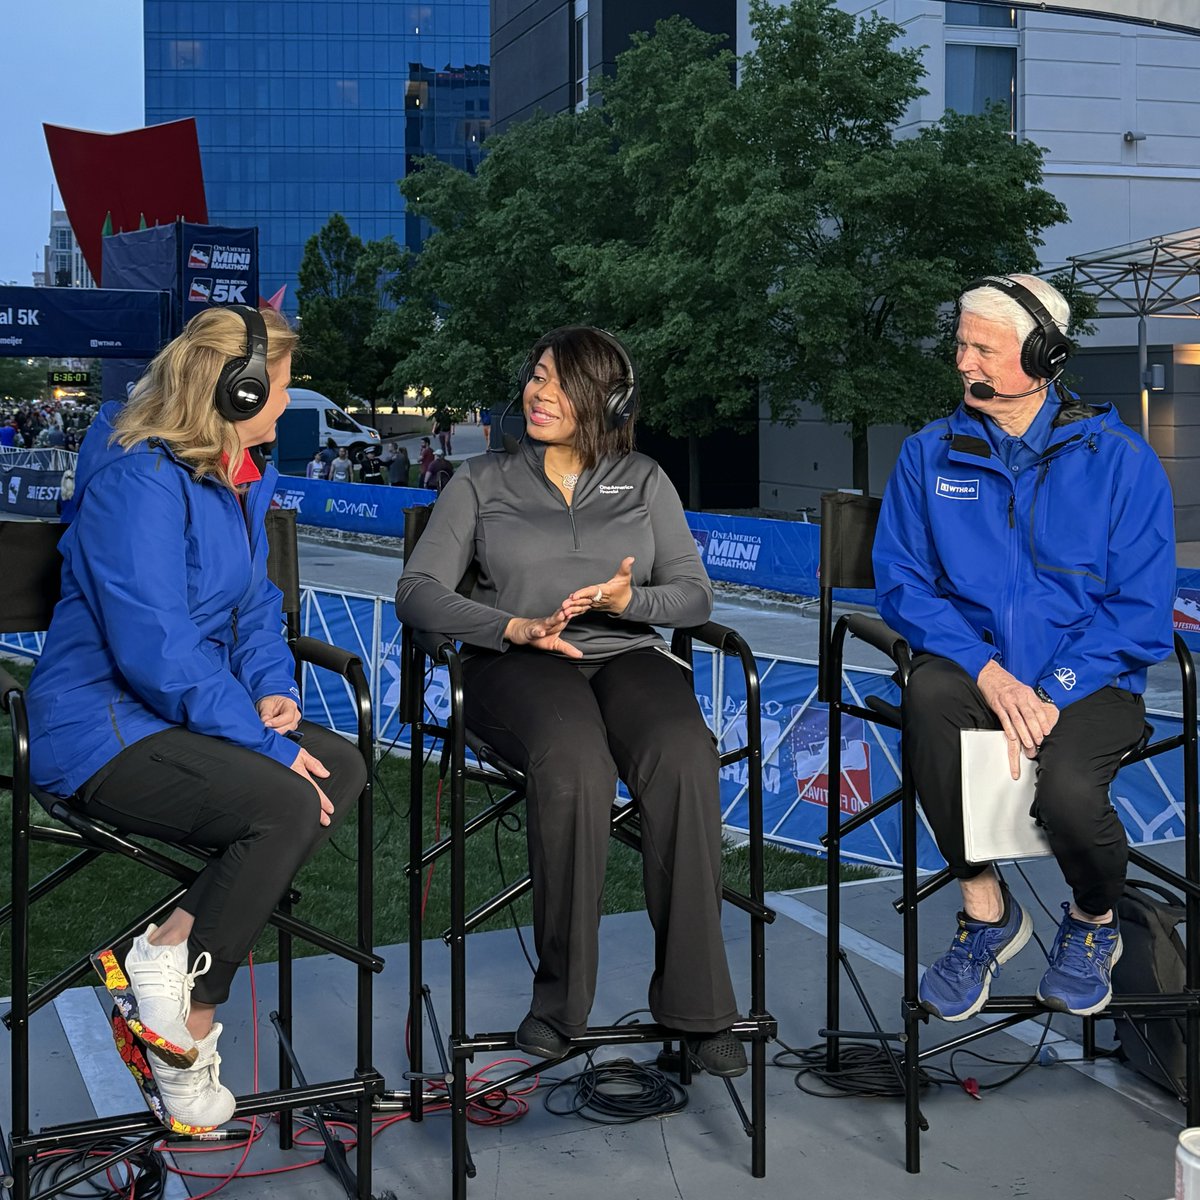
1067,1131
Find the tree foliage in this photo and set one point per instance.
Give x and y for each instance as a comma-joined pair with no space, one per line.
774,240
340,291
866,238
20,382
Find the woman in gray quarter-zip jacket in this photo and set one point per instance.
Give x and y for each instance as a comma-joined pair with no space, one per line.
580,548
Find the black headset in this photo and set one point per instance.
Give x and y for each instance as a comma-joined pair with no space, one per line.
621,401
1045,350
243,385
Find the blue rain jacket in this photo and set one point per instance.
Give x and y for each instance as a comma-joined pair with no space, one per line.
167,616
1064,573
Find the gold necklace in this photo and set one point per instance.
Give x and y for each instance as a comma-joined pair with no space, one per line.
570,479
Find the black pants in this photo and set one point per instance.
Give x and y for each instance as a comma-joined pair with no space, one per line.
182,787
1075,766
573,730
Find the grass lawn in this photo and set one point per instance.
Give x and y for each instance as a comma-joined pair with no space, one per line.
90,907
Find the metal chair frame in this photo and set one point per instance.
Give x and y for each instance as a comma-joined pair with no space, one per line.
91,839
420,650
847,530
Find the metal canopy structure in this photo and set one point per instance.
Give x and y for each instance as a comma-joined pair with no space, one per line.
1178,15
1155,277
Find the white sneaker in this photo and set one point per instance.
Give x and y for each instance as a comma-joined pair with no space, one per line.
161,987
193,1096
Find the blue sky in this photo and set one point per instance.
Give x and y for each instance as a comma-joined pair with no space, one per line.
65,62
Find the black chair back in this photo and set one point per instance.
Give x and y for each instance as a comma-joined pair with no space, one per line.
415,520
283,557
30,575
847,537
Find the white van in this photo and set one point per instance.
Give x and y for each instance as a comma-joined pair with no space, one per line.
333,422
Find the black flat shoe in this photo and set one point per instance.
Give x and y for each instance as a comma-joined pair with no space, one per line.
535,1037
720,1054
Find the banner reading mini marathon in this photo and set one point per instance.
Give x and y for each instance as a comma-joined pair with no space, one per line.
217,265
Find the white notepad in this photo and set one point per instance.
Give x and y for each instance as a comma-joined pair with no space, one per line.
996,820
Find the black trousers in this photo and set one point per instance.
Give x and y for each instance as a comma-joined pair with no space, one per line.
1075,766
183,787
573,730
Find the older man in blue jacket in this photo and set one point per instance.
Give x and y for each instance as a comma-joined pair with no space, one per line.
1026,550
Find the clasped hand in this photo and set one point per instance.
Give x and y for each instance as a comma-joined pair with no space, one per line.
1025,718
545,633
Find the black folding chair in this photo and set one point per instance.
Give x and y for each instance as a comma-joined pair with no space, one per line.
29,589
847,535
420,649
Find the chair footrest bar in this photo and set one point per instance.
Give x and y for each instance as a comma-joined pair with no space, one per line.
131,1124
863,1035
759,1028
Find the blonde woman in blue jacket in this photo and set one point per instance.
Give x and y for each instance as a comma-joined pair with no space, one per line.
165,700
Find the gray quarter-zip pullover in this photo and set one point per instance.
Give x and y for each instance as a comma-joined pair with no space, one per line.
532,550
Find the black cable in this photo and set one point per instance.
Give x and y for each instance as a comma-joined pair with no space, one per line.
148,1179
618,1092
866,1070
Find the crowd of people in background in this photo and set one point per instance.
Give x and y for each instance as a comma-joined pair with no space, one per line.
386,465
62,423
54,424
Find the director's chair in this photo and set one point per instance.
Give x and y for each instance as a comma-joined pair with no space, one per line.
421,650
847,536
29,589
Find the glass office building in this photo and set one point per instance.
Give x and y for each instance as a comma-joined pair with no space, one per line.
305,108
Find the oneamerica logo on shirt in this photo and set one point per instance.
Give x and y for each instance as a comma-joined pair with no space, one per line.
957,489
612,489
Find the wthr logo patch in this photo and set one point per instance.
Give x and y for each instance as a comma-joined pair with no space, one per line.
957,489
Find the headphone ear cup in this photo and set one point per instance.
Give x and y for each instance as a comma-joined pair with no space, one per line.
1033,356
619,406
243,385
240,392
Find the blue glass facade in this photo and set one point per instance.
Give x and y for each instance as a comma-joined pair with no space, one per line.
309,107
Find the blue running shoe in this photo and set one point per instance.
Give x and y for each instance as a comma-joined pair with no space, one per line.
956,986
1079,978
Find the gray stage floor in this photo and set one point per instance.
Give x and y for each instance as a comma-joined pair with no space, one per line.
1022,1140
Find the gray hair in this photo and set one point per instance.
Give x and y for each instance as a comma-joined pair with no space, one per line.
992,304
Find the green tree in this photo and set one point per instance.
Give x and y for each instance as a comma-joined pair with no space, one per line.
864,238
671,283
19,381
610,217
492,276
340,293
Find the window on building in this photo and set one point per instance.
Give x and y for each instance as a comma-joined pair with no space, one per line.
993,16
62,239
579,56
977,76
185,55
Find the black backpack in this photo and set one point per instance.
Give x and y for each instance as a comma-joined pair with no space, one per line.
1151,963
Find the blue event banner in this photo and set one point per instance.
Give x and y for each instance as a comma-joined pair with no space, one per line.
354,507
29,491
781,556
82,322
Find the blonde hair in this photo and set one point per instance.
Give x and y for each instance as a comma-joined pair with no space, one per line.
174,400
